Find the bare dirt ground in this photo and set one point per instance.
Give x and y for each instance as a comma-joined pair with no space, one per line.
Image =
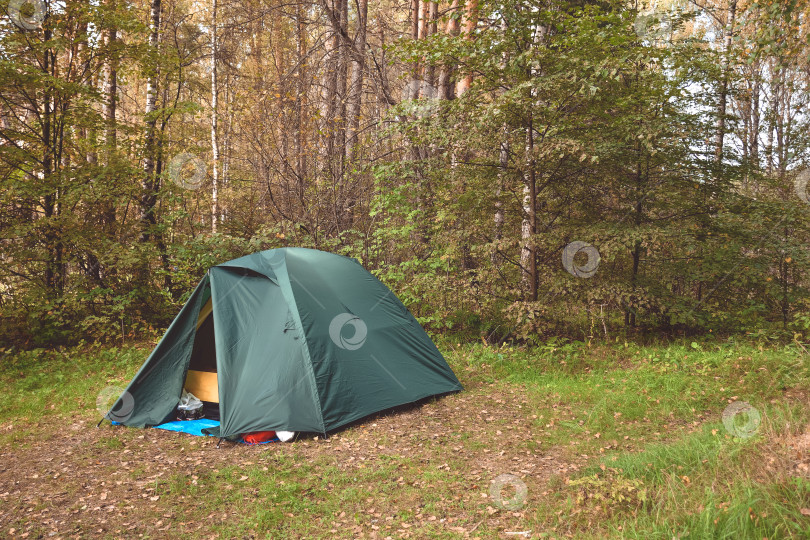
73,480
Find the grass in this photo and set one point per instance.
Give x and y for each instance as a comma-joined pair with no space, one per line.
651,393
60,382
656,423
639,429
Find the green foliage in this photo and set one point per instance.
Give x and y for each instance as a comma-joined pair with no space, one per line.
620,156
620,163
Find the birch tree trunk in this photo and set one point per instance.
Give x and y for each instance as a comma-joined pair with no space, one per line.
753,145
412,89
110,93
781,113
110,110
149,183
528,256
724,83
342,83
503,162
214,119
421,34
776,91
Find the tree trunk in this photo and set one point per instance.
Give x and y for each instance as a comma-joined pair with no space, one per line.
724,84
338,158
149,185
784,274
781,112
470,22
753,145
332,95
774,104
444,83
421,34
354,107
528,255
300,106
214,119
53,263
356,83
431,27
412,89
503,162
110,92
638,219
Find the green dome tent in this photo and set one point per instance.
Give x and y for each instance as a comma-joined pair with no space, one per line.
288,339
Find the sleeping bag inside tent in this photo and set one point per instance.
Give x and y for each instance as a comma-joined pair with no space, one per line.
288,339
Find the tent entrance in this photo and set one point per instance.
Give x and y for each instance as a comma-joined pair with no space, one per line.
201,378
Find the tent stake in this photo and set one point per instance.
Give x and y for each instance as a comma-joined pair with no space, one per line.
220,441
99,422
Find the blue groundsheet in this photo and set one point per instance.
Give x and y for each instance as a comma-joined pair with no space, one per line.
193,427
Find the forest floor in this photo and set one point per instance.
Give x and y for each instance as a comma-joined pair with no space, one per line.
602,441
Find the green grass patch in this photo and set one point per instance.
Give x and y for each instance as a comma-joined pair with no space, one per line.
63,382
644,423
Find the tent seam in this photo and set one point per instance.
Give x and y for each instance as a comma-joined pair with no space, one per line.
305,343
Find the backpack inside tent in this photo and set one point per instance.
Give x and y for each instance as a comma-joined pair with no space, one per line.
289,339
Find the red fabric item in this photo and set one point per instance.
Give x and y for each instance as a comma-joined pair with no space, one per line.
258,437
